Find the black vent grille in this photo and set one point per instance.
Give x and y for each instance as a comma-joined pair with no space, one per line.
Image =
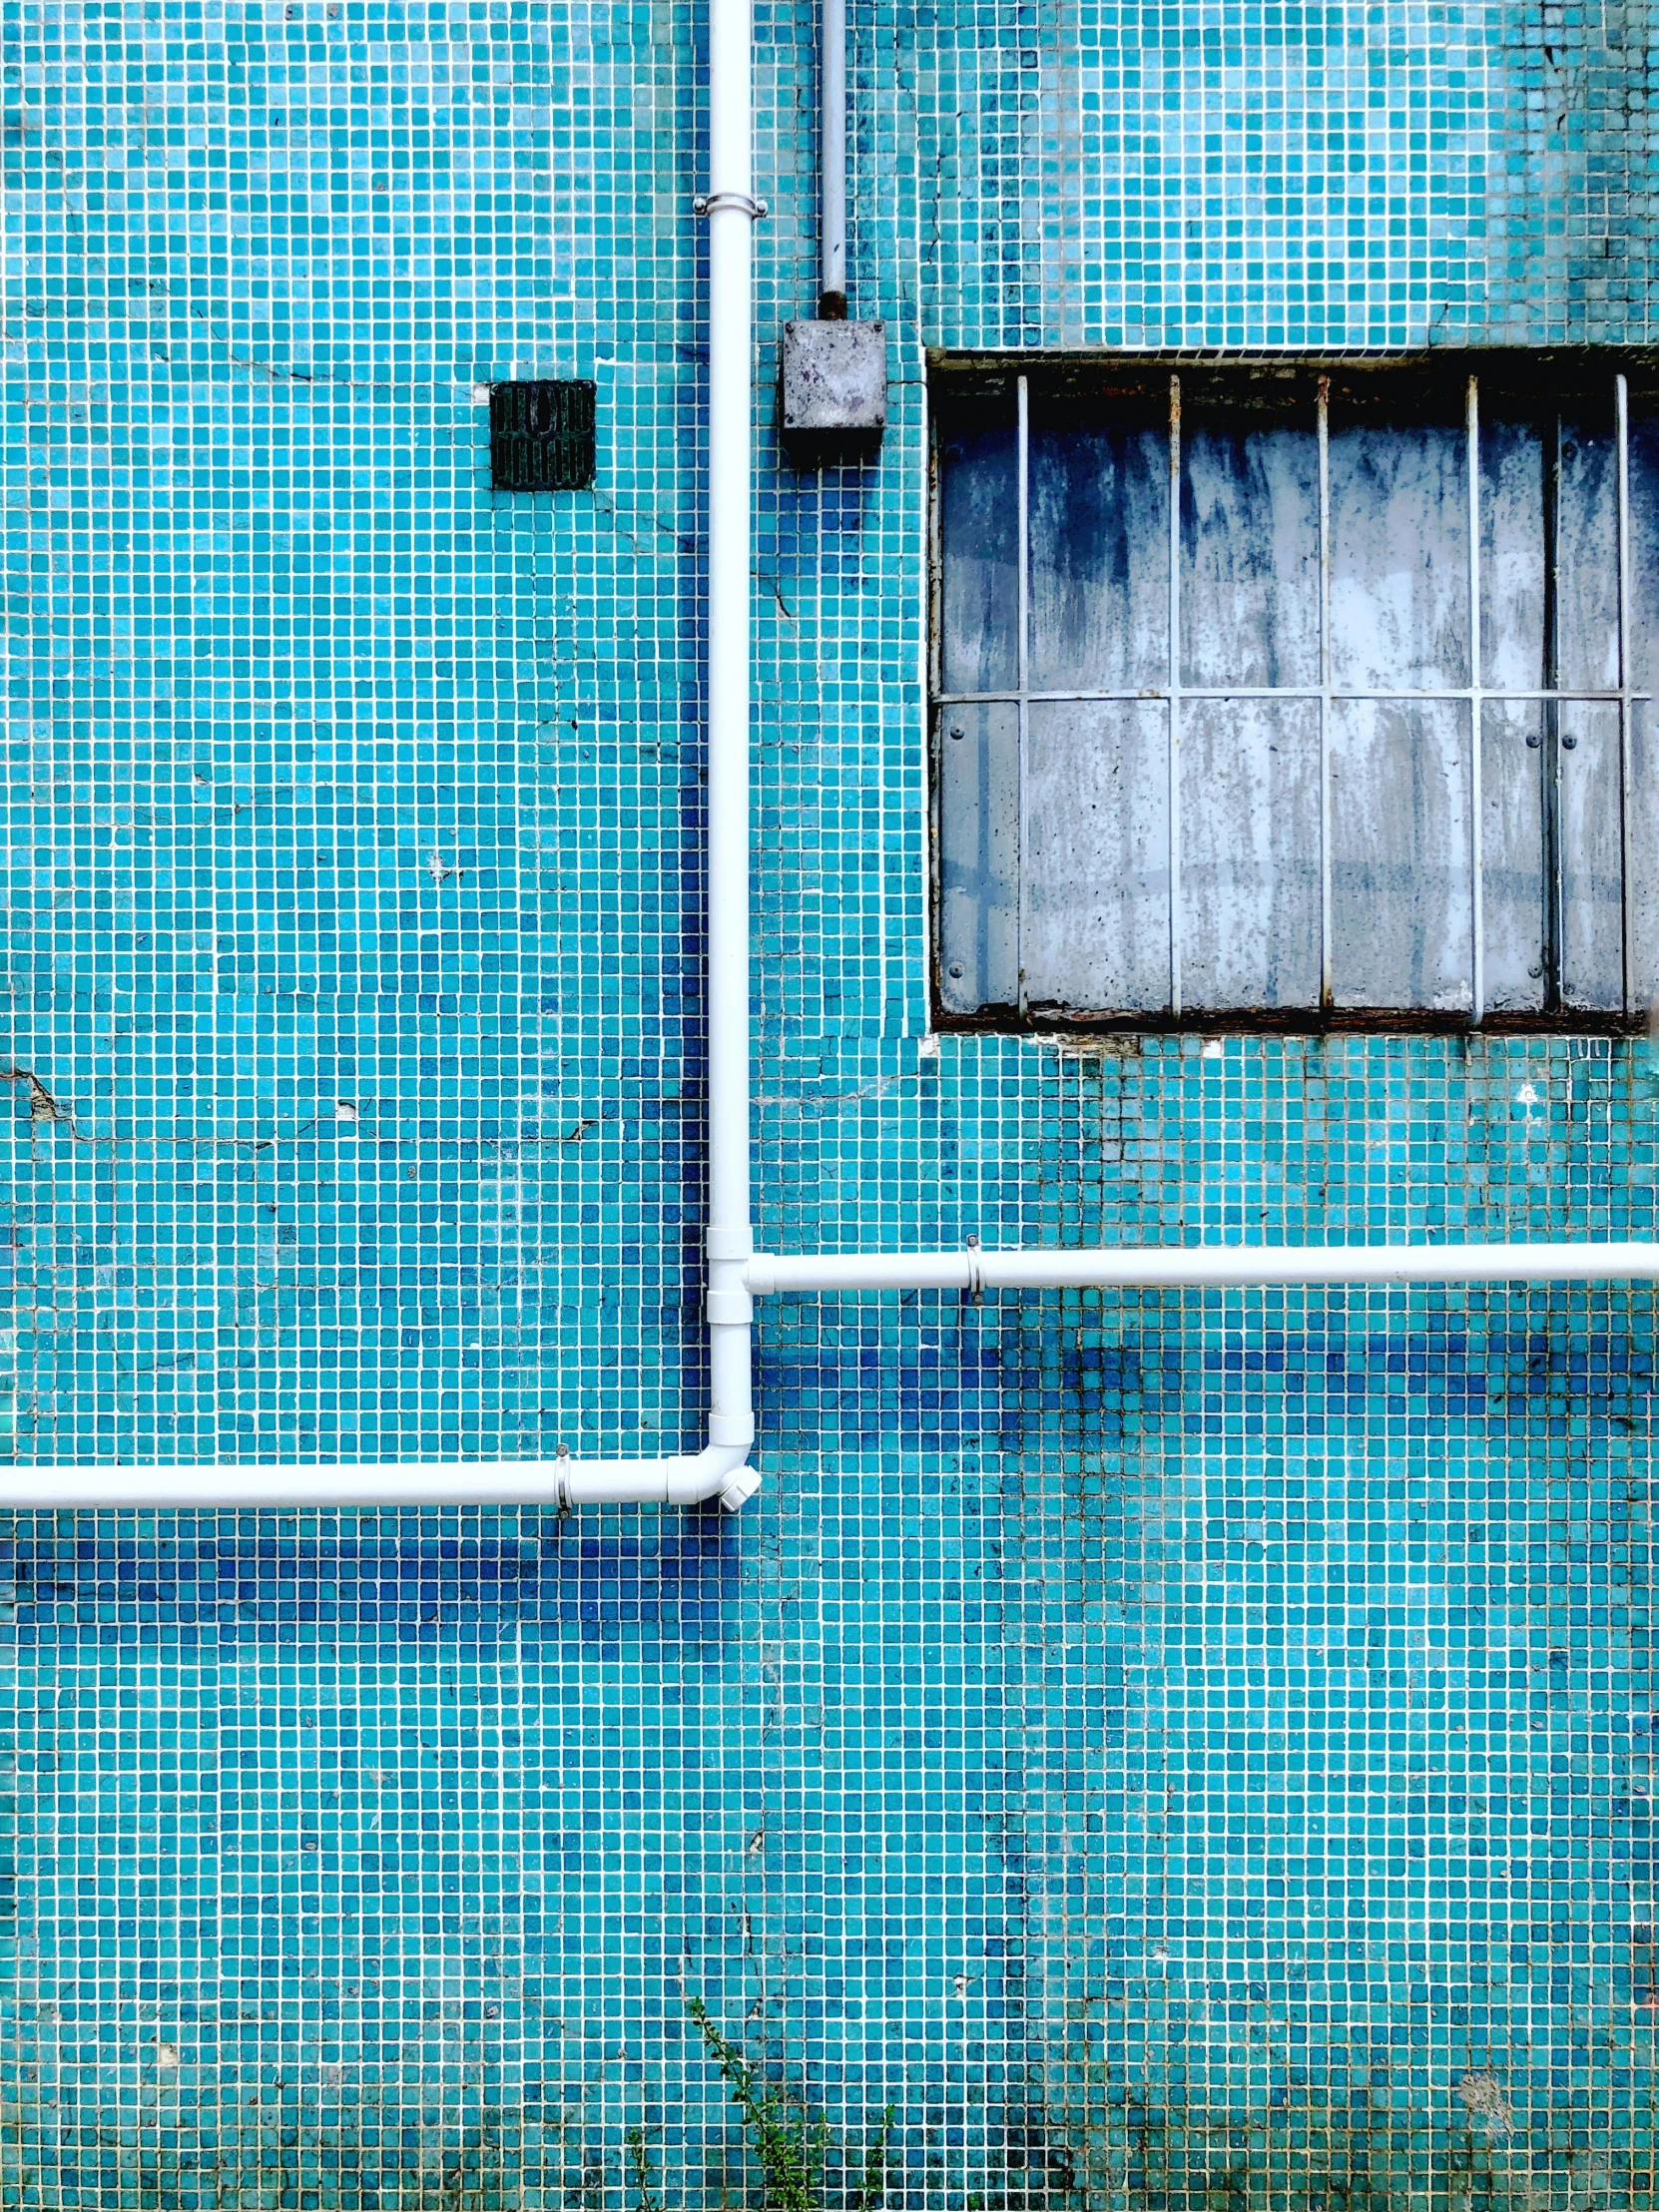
542,436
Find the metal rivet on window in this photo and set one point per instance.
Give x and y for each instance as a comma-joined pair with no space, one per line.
956,969
1534,742
1535,972
1567,744
957,733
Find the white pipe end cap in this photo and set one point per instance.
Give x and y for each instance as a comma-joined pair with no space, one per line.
740,1485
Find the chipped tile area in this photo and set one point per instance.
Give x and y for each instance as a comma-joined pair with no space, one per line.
1175,1751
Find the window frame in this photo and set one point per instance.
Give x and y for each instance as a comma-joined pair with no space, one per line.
1545,379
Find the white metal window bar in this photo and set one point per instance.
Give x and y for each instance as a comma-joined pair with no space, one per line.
1173,801
1022,663
1627,694
1326,905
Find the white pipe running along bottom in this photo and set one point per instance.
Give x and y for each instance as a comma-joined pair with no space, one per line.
687,1480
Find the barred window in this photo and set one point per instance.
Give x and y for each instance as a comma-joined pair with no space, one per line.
1297,694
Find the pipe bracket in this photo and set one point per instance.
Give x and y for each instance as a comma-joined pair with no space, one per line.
710,203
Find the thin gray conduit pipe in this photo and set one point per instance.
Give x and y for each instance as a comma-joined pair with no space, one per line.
832,93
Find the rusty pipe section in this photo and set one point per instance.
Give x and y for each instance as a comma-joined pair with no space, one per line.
1195,1267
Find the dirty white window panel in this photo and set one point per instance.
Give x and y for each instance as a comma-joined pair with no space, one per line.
1522,515
1097,891
1643,643
1512,565
978,519
1644,842
1592,902
1400,872
1515,916
1099,558
1250,853
1400,558
979,858
1397,759
1587,561
1250,574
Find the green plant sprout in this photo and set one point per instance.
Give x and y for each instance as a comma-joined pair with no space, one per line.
646,2198
791,2144
873,2190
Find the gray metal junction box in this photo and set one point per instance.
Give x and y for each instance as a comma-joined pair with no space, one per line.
834,399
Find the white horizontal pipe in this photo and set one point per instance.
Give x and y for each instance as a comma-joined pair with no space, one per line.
1126,1267
688,1480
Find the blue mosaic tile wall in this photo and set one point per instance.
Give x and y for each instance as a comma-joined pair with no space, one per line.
1175,1752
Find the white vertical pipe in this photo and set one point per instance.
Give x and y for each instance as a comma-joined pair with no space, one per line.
832,141
732,210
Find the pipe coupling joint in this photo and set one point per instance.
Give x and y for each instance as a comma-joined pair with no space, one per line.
729,1304
762,1275
728,1244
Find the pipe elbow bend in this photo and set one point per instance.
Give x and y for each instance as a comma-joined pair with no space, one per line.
717,1472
